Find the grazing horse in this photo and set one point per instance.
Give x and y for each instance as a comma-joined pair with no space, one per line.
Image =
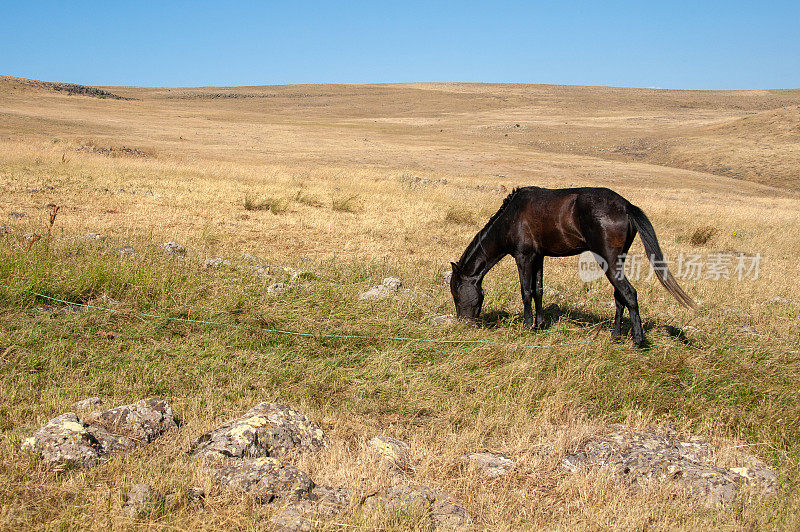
534,223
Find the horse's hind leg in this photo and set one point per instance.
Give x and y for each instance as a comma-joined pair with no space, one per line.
616,332
616,275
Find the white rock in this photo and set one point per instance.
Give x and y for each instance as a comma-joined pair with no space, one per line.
490,465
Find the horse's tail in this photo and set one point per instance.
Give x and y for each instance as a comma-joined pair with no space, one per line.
648,235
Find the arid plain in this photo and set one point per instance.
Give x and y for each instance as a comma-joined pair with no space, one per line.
347,185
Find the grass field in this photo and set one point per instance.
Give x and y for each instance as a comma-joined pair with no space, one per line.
351,184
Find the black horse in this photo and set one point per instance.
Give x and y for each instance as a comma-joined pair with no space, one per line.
534,223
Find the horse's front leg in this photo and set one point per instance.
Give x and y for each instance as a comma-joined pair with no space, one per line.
538,289
527,285
525,269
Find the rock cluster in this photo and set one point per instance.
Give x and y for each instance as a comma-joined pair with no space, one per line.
98,436
638,455
244,456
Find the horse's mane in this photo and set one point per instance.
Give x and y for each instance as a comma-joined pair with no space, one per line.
482,233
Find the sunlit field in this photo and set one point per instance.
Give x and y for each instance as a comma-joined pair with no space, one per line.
333,188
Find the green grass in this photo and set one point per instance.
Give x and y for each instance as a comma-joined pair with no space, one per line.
55,357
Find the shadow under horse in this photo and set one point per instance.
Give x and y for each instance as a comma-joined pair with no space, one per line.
534,223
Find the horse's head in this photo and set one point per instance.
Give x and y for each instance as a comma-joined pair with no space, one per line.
467,294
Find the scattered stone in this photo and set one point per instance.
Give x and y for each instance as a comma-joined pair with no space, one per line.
774,300
446,275
548,291
196,497
389,287
444,320
490,465
392,283
393,451
277,288
3,229
126,251
267,429
217,263
250,258
689,329
31,237
442,510
140,499
636,456
173,248
17,215
94,236
112,151
732,311
88,404
747,329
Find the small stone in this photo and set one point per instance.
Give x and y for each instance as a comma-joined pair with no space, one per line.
94,236
17,215
389,287
490,465
247,257
195,497
31,237
446,275
395,451
87,404
217,263
141,498
277,288
375,293
444,320
548,291
747,329
392,283
173,248
126,251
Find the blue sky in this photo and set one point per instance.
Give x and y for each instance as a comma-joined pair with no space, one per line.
686,45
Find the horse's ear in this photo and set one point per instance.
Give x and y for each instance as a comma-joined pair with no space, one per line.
455,267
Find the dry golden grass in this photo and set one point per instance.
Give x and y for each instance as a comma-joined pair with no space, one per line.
337,163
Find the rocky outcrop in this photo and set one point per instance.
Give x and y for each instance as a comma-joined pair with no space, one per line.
266,430
639,455
98,436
